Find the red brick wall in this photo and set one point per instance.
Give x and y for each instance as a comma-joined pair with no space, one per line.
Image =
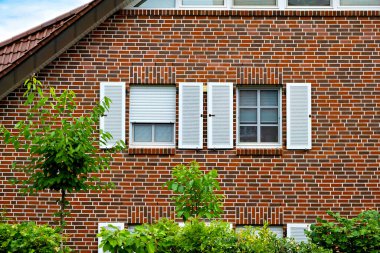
337,52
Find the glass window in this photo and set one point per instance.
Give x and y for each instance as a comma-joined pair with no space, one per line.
150,133
259,113
309,3
203,2
156,4
360,3
255,2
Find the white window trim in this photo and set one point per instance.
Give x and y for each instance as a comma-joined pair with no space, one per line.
180,109
288,116
102,120
306,226
281,5
134,144
100,226
210,111
259,145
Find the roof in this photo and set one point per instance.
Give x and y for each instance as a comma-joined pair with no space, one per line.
30,51
14,48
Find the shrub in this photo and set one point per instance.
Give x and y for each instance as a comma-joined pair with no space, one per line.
360,234
28,237
196,192
197,237
158,237
263,240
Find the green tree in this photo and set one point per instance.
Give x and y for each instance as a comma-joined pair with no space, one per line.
62,147
195,190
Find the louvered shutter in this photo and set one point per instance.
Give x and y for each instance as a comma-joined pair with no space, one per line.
190,115
106,225
298,115
297,231
152,104
219,115
114,120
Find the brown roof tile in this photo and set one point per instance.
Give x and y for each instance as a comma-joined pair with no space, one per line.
13,49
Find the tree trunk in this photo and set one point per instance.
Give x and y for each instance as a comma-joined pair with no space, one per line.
62,215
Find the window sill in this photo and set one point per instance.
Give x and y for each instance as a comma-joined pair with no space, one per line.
151,151
259,151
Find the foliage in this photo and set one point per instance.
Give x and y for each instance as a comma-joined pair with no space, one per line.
263,240
28,237
359,234
197,237
61,146
153,238
195,190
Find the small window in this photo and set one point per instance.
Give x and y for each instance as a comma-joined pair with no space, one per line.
322,3
156,4
153,133
297,231
259,116
278,230
360,3
152,115
203,2
255,3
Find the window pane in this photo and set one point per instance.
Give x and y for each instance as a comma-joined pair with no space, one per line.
248,98
248,134
142,132
309,2
248,116
269,134
163,132
269,116
360,3
269,98
255,2
156,4
202,2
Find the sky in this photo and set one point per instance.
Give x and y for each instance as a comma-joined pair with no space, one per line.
17,16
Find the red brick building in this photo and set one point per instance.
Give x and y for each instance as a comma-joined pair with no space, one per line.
282,99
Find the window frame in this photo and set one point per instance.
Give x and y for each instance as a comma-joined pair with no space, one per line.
234,6
153,144
179,4
259,144
312,7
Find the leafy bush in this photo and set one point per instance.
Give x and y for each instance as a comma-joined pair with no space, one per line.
197,237
196,192
158,237
360,234
28,237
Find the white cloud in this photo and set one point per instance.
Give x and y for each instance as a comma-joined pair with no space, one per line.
17,16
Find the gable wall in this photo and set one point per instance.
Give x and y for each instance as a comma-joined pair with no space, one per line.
339,56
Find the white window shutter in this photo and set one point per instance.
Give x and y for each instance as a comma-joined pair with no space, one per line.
297,231
106,225
220,115
190,116
298,115
114,120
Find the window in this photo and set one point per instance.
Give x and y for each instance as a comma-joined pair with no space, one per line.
278,230
322,3
152,115
360,3
203,2
259,112
156,4
297,231
255,2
